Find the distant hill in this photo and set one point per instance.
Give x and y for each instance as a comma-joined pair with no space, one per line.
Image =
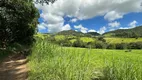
75,33
127,33
93,33
70,32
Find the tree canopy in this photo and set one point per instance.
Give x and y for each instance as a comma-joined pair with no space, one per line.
44,1
18,21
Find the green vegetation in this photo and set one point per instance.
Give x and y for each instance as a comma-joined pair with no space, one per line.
122,40
51,62
98,42
125,33
18,20
58,56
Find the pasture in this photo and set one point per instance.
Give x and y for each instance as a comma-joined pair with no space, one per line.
52,62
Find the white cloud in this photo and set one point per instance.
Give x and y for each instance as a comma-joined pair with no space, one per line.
113,15
124,28
81,28
51,18
114,24
133,24
102,30
41,26
74,20
92,30
85,9
66,27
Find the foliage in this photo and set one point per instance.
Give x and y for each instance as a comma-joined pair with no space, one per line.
93,34
51,62
121,46
126,33
79,43
100,45
18,20
135,45
44,1
78,34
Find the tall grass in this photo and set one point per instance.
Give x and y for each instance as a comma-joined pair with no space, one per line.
51,62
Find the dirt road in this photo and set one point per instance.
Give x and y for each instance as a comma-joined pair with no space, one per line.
14,68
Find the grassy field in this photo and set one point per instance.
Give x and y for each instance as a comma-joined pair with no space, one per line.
51,62
108,40
122,40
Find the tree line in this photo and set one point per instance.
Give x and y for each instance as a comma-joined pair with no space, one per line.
98,43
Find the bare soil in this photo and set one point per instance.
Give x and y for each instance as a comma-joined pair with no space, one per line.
14,67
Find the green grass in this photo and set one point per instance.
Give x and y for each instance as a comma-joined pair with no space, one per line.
122,40
87,39
51,62
59,37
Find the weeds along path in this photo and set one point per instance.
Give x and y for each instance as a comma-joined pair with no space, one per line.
14,68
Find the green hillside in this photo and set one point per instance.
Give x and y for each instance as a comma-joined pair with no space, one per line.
80,34
71,32
125,33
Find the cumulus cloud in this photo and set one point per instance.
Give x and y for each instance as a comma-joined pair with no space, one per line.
102,30
66,27
41,26
114,24
92,30
85,9
124,28
81,28
73,20
133,24
113,15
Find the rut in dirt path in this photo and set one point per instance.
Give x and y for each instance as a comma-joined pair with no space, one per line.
14,68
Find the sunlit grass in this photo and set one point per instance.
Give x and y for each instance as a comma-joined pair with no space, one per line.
122,40
51,62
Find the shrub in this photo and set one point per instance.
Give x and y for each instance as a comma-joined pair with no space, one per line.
135,45
111,46
121,46
100,45
79,43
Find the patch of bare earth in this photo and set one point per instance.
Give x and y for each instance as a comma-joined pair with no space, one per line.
14,68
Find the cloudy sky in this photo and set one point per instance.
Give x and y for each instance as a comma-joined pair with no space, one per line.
89,15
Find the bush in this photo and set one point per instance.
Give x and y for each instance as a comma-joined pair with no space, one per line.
135,45
111,46
100,45
121,46
79,43
101,39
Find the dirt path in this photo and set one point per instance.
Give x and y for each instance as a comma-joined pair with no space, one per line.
14,68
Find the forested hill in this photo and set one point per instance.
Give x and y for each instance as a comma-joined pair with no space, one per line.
126,33
75,33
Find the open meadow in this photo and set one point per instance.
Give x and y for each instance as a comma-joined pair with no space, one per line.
52,62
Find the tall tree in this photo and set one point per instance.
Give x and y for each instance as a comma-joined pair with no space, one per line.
18,20
44,1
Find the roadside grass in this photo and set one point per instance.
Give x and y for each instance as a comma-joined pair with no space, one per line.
52,62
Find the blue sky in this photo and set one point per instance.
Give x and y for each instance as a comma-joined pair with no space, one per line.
89,16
